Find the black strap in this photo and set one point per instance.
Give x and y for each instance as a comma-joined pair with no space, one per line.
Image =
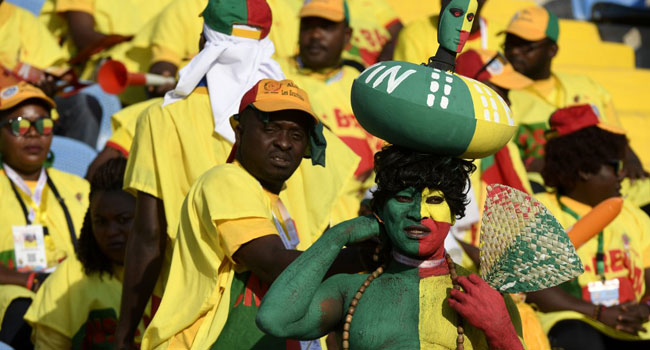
68,218
20,200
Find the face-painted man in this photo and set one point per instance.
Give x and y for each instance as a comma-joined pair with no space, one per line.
417,222
455,24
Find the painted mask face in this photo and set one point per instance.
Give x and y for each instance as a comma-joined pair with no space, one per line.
455,24
417,223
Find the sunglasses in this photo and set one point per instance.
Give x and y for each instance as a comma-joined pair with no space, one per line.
20,125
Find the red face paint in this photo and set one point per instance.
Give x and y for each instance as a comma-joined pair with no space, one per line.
464,35
433,246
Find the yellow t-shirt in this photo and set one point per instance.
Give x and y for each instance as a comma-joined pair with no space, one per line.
627,255
175,144
202,258
83,309
58,245
419,40
123,125
123,17
25,39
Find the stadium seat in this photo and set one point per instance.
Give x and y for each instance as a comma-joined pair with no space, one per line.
637,126
72,156
578,31
110,105
582,9
592,54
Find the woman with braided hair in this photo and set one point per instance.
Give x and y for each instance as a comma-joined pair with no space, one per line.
78,305
413,301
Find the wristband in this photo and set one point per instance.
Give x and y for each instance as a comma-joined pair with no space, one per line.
30,281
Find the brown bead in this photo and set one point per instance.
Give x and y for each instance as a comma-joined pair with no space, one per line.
366,283
346,345
348,318
346,328
460,339
351,310
346,335
359,294
460,329
380,270
354,302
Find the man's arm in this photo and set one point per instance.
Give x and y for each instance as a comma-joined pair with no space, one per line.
82,29
299,304
145,253
388,49
620,317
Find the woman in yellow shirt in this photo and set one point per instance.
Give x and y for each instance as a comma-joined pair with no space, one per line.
608,306
78,305
39,210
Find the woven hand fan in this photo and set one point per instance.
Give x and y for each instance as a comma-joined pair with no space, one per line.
523,248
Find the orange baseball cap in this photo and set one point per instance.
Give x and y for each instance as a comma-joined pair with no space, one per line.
15,94
333,10
534,23
270,95
568,120
490,65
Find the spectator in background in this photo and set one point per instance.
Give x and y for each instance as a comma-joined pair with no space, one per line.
608,306
319,69
78,305
375,29
417,42
531,45
40,211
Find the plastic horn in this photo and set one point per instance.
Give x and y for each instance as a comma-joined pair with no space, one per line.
113,78
595,221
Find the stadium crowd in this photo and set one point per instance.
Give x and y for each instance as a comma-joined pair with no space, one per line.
163,162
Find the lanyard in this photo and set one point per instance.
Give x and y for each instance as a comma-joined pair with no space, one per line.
36,197
288,232
38,192
600,254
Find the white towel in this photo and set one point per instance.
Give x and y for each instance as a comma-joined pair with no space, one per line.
232,65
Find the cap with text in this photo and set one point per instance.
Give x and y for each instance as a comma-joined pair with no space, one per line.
534,23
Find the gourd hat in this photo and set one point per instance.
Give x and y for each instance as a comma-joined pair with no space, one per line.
430,108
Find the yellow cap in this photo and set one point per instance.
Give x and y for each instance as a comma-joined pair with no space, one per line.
534,23
270,95
13,95
333,10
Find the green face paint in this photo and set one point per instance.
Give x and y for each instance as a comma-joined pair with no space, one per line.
455,24
417,222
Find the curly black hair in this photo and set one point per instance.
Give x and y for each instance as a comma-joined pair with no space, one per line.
398,168
585,151
109,177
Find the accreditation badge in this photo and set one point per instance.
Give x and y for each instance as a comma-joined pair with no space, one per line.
604,293
29,248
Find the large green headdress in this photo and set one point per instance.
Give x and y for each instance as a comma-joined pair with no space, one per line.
431,110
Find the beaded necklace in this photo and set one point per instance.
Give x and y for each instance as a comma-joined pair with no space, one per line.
460,339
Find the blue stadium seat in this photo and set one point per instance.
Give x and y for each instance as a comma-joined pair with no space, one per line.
110,105
582,8
33,6
71,155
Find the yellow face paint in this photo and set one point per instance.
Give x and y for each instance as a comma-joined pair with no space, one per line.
433,205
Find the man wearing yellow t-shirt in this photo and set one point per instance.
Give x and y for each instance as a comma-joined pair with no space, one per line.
176,142
237,229
324,32
417,41
531,45
607,307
